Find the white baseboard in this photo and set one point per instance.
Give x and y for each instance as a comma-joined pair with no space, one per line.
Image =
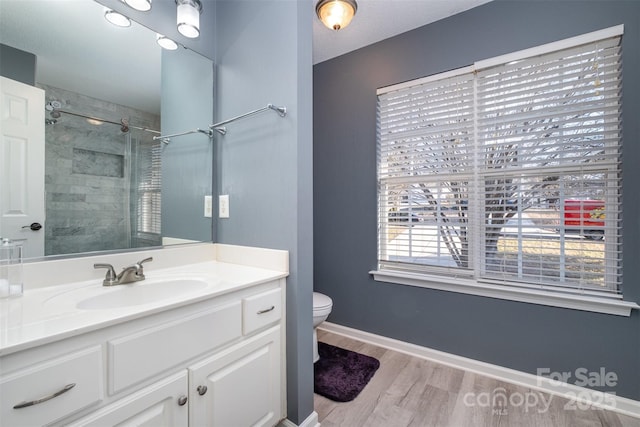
577,394
310,421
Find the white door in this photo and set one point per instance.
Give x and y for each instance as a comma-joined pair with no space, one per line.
22,165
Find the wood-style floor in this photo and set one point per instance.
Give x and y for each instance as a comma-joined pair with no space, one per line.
412,392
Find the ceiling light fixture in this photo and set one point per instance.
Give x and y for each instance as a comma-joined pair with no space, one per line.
141,5
165,42
116,18
189,17
336,14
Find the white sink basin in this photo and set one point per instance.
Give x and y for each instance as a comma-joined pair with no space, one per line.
139,293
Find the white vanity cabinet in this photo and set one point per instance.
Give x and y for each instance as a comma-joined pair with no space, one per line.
215,362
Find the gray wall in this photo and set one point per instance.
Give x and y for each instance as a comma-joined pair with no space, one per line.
264,162
187,161
512,334
17,65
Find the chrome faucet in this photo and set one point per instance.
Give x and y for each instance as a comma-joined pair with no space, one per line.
129,274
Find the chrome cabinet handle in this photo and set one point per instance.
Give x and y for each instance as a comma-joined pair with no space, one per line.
267,310
202,389
182,400
45,398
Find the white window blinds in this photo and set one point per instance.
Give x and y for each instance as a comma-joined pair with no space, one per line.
425,166
549,155
508,173
149,191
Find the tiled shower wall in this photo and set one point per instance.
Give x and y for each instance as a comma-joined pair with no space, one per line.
88,174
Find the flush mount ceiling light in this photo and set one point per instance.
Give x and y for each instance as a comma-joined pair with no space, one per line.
336,14
165,42
116,18
189,17
141,5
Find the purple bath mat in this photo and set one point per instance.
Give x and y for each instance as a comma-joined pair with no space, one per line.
341,374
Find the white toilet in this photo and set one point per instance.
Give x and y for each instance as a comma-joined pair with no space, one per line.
322,305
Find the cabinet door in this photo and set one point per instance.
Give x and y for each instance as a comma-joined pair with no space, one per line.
158,405
243,385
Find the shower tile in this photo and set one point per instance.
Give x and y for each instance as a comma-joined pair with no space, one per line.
88,202
68,231
66,197
96,163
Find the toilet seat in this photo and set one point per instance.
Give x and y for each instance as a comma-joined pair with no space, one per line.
321,302
322,306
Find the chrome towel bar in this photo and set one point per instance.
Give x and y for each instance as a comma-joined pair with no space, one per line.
220,127
167,138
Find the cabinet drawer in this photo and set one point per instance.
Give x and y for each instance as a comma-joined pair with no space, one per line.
142,355
80,373
156,405
261,310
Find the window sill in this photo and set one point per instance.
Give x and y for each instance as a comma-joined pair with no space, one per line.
471,287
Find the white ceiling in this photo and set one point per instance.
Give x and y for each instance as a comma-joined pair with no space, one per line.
377,20
79,51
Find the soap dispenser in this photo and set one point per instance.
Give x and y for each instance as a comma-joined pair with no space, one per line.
10,268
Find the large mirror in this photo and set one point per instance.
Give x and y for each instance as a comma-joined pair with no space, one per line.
106,93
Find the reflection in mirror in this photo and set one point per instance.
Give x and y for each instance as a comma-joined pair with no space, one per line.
102,86
102,179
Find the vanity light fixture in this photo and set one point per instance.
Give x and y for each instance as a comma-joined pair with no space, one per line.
165,42
116,18
189,17
336,14
141,5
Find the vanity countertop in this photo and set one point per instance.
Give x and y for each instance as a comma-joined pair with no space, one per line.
47,314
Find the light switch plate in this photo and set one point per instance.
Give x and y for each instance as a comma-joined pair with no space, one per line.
208,206
223,206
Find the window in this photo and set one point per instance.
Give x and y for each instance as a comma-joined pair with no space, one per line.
147,193
507,172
